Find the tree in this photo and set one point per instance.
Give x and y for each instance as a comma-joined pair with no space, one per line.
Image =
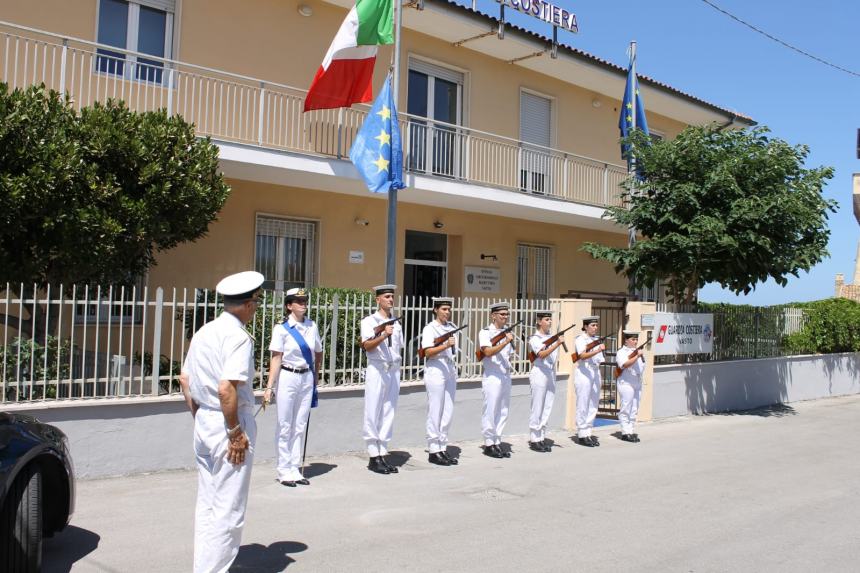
92,197
734,207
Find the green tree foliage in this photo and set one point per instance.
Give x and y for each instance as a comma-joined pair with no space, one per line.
833,325
733,207
92,197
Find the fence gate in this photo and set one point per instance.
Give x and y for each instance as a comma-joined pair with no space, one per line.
611,313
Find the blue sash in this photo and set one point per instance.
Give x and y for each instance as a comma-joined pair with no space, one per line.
306,354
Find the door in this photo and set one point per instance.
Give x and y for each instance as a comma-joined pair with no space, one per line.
425,271
434,144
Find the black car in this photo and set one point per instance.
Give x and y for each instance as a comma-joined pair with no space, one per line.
37,489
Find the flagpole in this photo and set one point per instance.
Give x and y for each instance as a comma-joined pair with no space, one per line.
631,161
391,244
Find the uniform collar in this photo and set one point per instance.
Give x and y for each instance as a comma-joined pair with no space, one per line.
232,319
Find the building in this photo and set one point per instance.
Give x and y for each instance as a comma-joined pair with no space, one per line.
511,154
852,291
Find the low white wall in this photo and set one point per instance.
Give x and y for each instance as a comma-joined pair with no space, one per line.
744,384
118,437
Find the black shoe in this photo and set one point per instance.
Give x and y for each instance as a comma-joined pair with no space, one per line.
505,453
391,469
626,438
585,442
288,483
452,461
303,481
594,440
537,447
377,466
438,459
493,451
635,438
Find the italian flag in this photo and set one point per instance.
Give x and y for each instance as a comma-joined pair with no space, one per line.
344,78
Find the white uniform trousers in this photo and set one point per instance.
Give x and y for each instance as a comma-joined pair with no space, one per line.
440,379
629,393
381,390
496,387
587,395
294,402
542,381
222,491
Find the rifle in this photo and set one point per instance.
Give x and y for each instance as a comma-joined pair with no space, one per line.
635,353
440,340
550,341
479,354
379,328
591,346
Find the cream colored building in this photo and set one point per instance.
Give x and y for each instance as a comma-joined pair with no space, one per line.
852,291
511,154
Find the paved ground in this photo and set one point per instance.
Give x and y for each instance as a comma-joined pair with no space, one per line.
770,490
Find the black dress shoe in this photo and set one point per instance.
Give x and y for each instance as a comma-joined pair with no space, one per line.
505,453
626,438
452,461
585,442
438,459
594,440
493,451
537,447
288,483
635,438
375,465
303,481
391,469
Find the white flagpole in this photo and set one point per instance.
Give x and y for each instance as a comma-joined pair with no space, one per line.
391,245
631,162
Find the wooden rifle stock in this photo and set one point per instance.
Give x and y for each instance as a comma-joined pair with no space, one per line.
479,354
634,354
379,328
440,340
591,346
550,341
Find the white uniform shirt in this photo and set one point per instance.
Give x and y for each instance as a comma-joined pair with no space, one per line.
633,373
536,343
588,366
382,351
221,350
502,359
434,330
283,341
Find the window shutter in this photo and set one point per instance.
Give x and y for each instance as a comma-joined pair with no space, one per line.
436,71
168,6
535,119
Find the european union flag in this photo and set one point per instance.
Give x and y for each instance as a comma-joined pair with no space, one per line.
377,152
625,122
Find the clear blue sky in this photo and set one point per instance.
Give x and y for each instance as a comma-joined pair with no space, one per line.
694,48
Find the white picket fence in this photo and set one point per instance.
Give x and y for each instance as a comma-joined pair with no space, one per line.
98,342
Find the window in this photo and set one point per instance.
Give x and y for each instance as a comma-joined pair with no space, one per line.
425,272
535,128
434,92
286,252
144,26
534,272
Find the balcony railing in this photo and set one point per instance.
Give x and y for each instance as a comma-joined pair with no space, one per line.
235,108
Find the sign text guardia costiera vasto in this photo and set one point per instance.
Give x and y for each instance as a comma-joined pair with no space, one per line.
546,11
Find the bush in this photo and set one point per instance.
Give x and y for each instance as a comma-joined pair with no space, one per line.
16,364
833,325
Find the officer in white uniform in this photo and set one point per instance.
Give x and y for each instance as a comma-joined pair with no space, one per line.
496,382
382,380
586,380
296,380
542,380
440,379
216,379
629,384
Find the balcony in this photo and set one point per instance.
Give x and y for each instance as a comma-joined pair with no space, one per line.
232,108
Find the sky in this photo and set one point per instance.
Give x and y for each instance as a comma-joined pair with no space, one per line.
692,47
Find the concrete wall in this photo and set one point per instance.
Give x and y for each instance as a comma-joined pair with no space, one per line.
120,437
740,385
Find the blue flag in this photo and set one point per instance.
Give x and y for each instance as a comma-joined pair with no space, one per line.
377,152
625,121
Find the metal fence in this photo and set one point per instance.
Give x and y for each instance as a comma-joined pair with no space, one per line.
741,332
97,342
235,108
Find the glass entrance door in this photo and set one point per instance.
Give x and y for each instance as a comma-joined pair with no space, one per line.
425,271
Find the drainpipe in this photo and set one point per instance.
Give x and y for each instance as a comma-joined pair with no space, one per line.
728,123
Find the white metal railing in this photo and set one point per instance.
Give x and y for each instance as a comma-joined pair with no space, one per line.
235,108
97,342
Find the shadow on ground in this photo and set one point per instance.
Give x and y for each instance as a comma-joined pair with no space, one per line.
63,550
775,411
317,469
398,459
257,558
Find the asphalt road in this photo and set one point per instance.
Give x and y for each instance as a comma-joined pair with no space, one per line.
768,490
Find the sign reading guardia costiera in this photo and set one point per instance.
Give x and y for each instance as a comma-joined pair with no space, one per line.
546,11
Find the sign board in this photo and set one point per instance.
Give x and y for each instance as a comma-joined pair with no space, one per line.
482,279
647,320
356,257
683,333
546,11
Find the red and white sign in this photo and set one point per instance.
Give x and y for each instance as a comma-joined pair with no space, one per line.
683,333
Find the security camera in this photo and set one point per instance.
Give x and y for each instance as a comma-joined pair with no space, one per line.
362,222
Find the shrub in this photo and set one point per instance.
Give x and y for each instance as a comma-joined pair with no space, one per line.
833,325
